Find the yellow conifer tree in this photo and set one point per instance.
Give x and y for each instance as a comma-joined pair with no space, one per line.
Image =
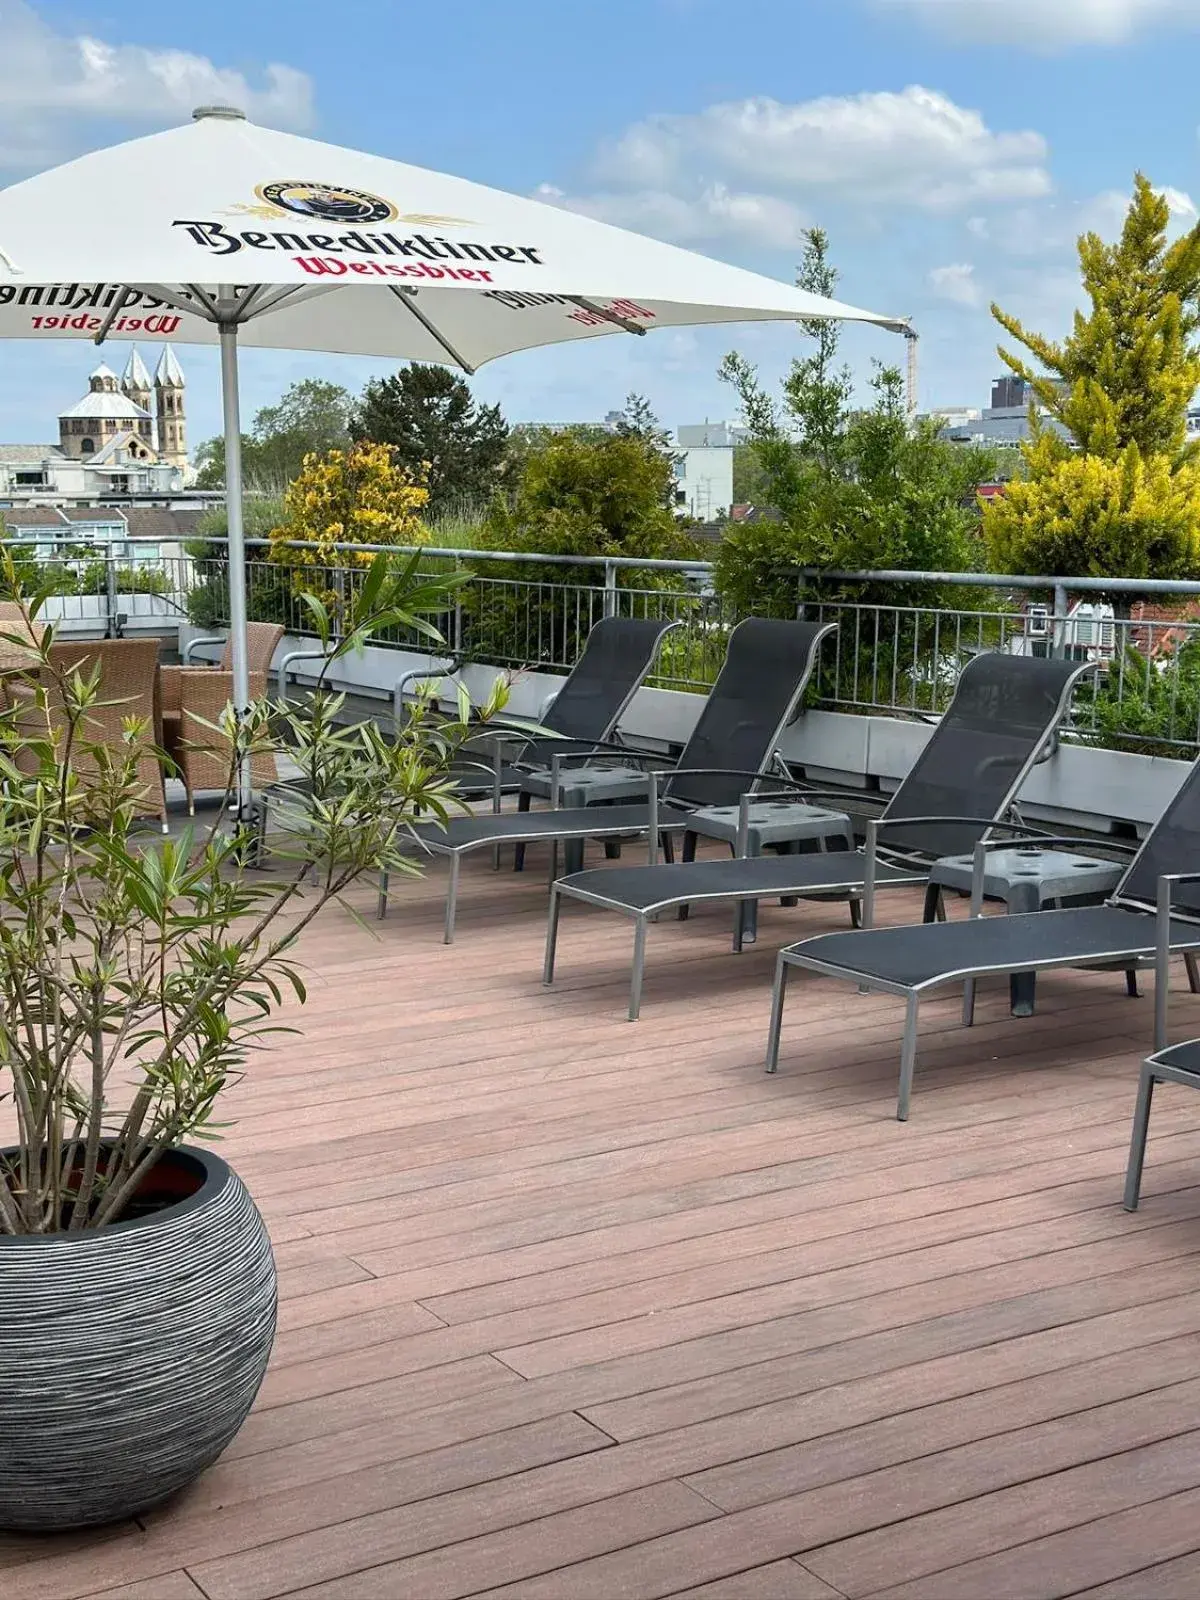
1125,501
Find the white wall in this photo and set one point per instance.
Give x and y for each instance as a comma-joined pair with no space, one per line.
704,475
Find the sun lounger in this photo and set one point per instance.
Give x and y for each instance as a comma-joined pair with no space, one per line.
1154,912
584,714
1002,719
757,693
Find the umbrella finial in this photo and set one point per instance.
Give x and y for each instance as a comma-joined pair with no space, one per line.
228,113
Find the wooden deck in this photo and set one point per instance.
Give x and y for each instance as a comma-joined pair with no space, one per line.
574,1309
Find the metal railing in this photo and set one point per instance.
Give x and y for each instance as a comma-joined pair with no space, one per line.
522,610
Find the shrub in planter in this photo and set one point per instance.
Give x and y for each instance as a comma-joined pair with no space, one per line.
137,1290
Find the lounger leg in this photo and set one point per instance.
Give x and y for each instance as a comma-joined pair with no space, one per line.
908,1056
573,855
745,916
1137,1143
1193,972
689,854
1022,993
933,898
792,848
639,968
968,1010
1131,983
381,911
855,904
518,849
612,849
452,898
778,993
551,936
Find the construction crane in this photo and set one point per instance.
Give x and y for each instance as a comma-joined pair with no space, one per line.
914,339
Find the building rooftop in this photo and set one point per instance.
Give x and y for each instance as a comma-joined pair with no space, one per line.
17,455
168,370
109,406
135,373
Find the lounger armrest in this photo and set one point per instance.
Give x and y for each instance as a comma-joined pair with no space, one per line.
1167,884
878,824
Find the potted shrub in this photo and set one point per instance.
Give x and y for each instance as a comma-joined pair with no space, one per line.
137,973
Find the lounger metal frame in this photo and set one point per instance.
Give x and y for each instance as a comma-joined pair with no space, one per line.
1163,941
904,868
1156,1068
659,816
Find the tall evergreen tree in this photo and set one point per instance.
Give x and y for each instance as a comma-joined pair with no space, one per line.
437,432
1125,502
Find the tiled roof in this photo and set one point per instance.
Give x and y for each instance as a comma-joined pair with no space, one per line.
159,522
168,369
16,455
135,371
116,407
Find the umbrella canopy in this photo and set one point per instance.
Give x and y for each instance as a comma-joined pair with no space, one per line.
339,251
220,231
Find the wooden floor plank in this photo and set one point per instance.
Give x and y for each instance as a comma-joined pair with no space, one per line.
778,1580
574,1308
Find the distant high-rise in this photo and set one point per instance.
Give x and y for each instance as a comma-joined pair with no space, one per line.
1010,392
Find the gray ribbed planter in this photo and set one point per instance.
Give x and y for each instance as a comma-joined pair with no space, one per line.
130,1356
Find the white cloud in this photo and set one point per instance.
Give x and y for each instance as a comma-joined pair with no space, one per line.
956,282
1047,24
716,212
1180,204
52,84
915,147
755,170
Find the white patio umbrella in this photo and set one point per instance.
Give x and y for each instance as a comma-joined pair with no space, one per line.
221,232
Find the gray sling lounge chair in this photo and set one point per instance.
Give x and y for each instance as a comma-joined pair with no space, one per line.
617,655
1161,882
1002,720
583,716
757,693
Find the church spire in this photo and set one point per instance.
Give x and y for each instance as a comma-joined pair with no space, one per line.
169,408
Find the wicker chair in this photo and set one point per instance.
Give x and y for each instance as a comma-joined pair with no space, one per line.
128,688
16,657
202,755
193,697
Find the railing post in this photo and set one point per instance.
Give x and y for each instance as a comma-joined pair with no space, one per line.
112,625
1058,635
458,611
610,589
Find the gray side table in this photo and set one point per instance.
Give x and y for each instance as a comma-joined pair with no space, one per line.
1029,879
782,825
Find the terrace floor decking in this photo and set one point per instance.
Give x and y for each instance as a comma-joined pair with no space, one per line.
574,1309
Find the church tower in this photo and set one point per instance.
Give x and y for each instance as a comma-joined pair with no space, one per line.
136,384
172,426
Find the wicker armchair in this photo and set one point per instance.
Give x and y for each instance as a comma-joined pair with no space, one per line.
195,696
16,657
202,755
128,688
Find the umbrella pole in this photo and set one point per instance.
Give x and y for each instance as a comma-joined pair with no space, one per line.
236,548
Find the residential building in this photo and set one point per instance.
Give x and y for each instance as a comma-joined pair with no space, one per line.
1005,423
704,470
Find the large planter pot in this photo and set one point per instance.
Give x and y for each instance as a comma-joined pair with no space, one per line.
129,1356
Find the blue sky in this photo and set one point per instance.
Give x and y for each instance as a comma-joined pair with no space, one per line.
953,149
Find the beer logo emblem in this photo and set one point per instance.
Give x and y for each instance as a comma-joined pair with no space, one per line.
328,202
